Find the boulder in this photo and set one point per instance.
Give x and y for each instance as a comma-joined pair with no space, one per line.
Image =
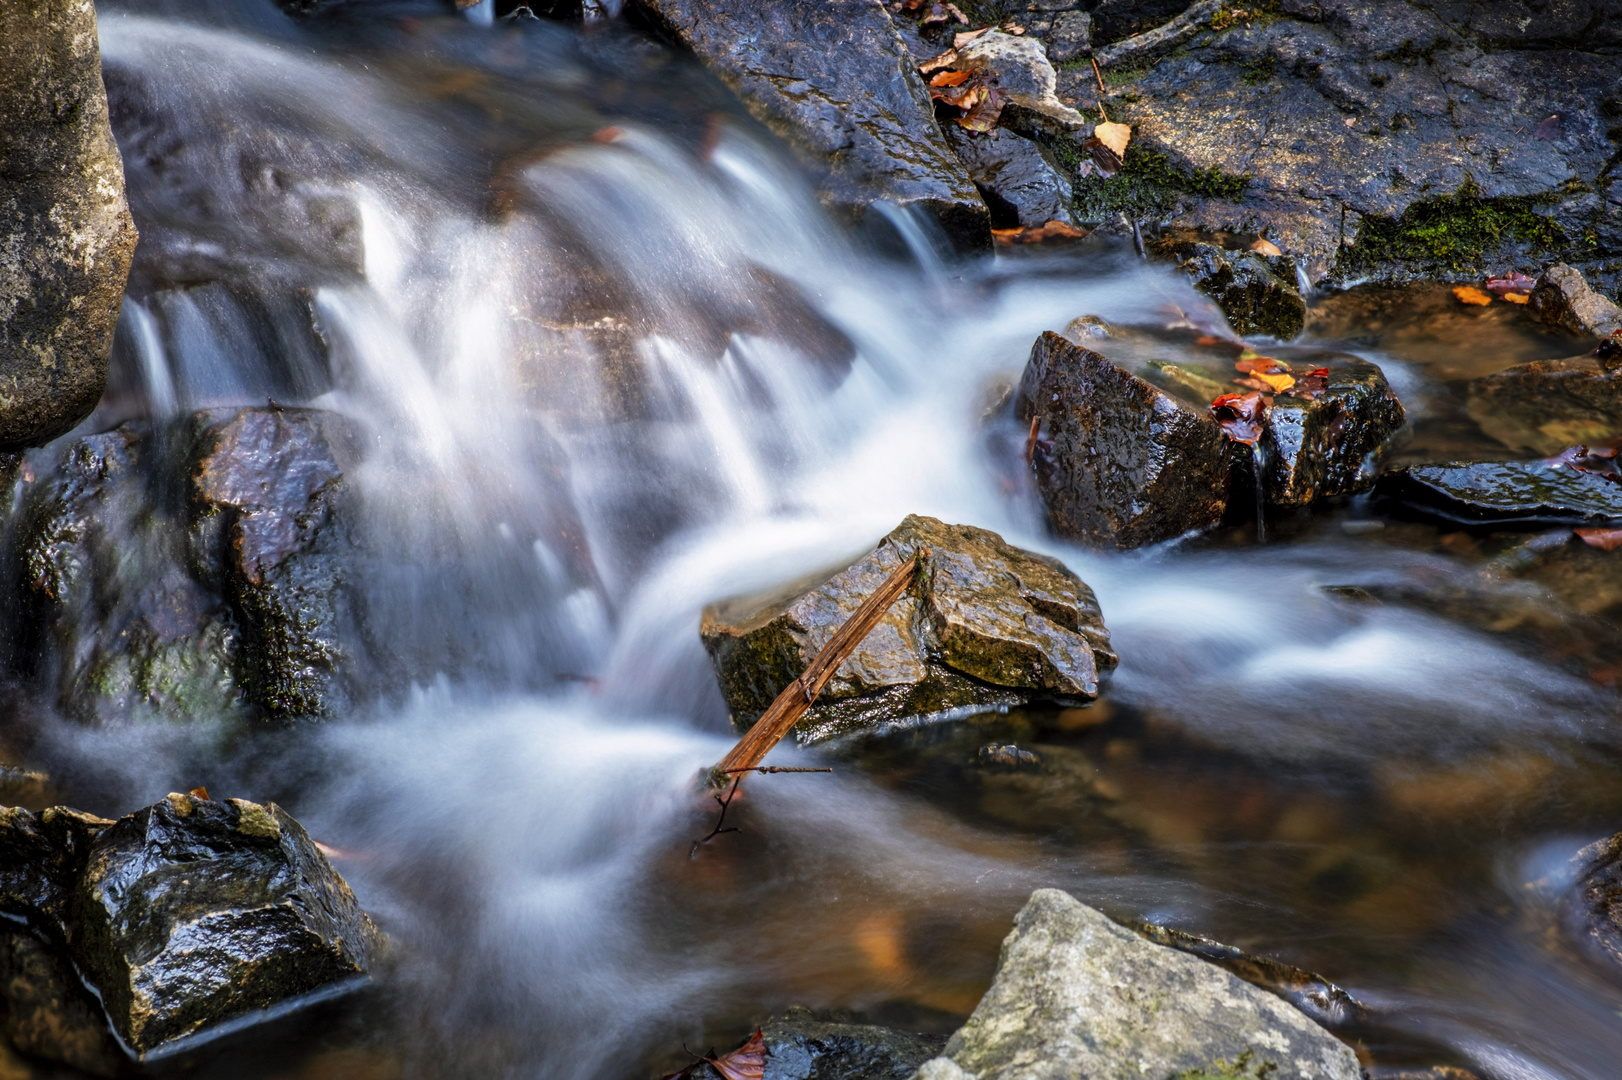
1322,445
1506,492
1070,38
69,234
1544,406
1019,180
833,79
987,625
1563,299
1252,294
802,1046
45,1010
1597,900
1023,73
193,912
1078,995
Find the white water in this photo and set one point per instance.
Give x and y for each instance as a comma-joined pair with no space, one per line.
524,839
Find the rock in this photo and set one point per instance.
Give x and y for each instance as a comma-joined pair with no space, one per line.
1505,492
1152,43
1129,463
41,857
800,1046
1562,298
1022,72
1020,182
1545,406
1077,995
1117,19
1323,446
194,912
833,78
1597,899
69,234
1071,37
45,1011
990,625
1378,138
1252,295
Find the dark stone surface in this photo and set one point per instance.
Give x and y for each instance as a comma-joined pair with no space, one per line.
802,1046
833,78
1505,491
45,1011
194,912
1321,446
1129,464
988,625
1070,37
1018,179
1597,903
41,856
1545,406
1117,19
1251,293
69,234
1564,300
1357,122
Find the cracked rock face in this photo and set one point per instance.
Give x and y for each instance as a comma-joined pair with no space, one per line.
834,79
1564,300
1077,995
1018,179
66,236
988,625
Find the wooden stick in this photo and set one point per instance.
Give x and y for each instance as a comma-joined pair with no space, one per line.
798,696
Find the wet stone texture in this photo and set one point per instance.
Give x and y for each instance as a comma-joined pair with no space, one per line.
1077,995
68,235
1597,903
1544,406
1563,299
833,78
1324,445
802,1046
1019,181
1252,294
987,625
1505,491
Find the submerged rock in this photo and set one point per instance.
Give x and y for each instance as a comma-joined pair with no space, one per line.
987,625
802,1046
834,79
1077,995
1506,492
1547,405
1020,183
1251,294
1563,299
69,234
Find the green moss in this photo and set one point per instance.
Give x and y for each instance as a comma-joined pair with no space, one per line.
1253,15
1147,186
1260,70
1244,1067
1453,232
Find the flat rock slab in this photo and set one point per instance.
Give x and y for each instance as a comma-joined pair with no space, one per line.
1545,406
988,625
834,79
1078,995
1506,491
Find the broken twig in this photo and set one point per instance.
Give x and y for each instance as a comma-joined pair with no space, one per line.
692,852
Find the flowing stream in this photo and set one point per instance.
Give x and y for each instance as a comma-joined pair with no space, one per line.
1329,749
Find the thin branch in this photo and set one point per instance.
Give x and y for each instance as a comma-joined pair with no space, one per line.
717,831
774,769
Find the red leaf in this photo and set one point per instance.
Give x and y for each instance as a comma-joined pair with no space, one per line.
747,1062
1241,416
1512,282
1604,539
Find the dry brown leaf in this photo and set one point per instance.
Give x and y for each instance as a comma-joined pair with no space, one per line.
935,63
198,792
1472,295
1604,539
960,40
957,13
1114,136
1264,246
950,78
747,1062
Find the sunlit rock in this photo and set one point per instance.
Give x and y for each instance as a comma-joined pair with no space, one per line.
69,237
1078,995
1562,298
987,625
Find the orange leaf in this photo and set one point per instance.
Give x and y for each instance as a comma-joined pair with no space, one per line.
1471,295
1035,234
198,792
747,1062
1241,416
1264,246
950,78
935,63
1516,297
1114,136
1604,539
1254,364
1279,381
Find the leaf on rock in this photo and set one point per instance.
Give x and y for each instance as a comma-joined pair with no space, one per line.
198,792
1311,384
1253,363
1471,295
1241,416
960,40
936,63
1280,381
950,78
1604,539
962,96
1264,246
957,13
747,1062
936,15
1597,462
1114,136
1549,130
985,112
1035,234
1512,282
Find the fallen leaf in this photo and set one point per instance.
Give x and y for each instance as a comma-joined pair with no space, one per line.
960,40
1596,462
1311,384
936,15
1604,539
199,792
1471,295
1512,282
1549,130
1253,363
1264,246
963,96
1114,136
1035,234
935,63
957,13
1105,160
950,78
747,1062
607,134
1086,169
1278,380
912,5
1516,297
983,114
1014,29
1241,416
1350,120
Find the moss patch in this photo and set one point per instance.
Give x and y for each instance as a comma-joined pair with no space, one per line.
1453,233
1245,1067
1148,185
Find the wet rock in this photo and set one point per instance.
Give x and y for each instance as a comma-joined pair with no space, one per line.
69,234
1252,295
1022,72
1076,994
988,625
1157,41
1128,464
1070,38
1562,298
1597,901
41,857
1505,492
45,1011
1323,445
1117,19
193,912
1313,994
1020,182
833,78
1545,406
800,1045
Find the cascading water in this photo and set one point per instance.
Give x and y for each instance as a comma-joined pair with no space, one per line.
609,361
